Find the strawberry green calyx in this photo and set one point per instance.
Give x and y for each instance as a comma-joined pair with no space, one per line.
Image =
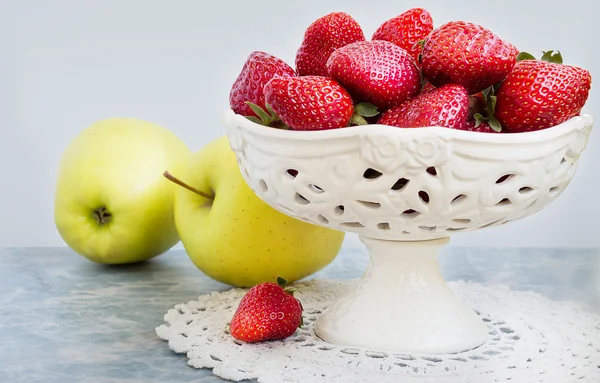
267,118
366,109
525,56
358,120
487,114
419,58
362,110
551,57
547,56
282,282
491,120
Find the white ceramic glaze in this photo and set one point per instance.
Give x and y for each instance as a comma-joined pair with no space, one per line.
402,304
395,186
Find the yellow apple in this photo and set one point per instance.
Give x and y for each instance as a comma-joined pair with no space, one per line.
112,203
234,237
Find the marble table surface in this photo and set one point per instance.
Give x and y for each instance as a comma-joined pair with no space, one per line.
64,319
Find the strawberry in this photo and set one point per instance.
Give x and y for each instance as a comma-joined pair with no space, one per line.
467,54
446,106
309,102
268,311
539,94
258,69
377,71
407,30
321,38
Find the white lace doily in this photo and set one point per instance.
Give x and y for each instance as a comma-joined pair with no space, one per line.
532,339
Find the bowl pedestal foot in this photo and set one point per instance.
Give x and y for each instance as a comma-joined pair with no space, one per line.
402,304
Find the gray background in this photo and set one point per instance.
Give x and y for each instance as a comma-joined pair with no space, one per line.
66,64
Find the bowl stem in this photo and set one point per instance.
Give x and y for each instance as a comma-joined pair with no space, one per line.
402,304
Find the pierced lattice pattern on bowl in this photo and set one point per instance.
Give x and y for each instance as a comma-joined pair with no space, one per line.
413,184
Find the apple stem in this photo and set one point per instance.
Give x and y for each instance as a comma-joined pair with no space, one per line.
179,182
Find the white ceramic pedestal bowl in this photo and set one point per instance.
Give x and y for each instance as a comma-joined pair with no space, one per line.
405,192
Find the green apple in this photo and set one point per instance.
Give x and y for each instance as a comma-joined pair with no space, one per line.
234,237
112,204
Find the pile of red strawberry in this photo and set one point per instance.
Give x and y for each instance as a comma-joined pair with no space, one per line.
459,75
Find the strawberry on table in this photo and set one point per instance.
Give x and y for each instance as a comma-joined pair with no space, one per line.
258,69
309,102
321,38
268,311
406,30
539,94
446,106
467,54
378,72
